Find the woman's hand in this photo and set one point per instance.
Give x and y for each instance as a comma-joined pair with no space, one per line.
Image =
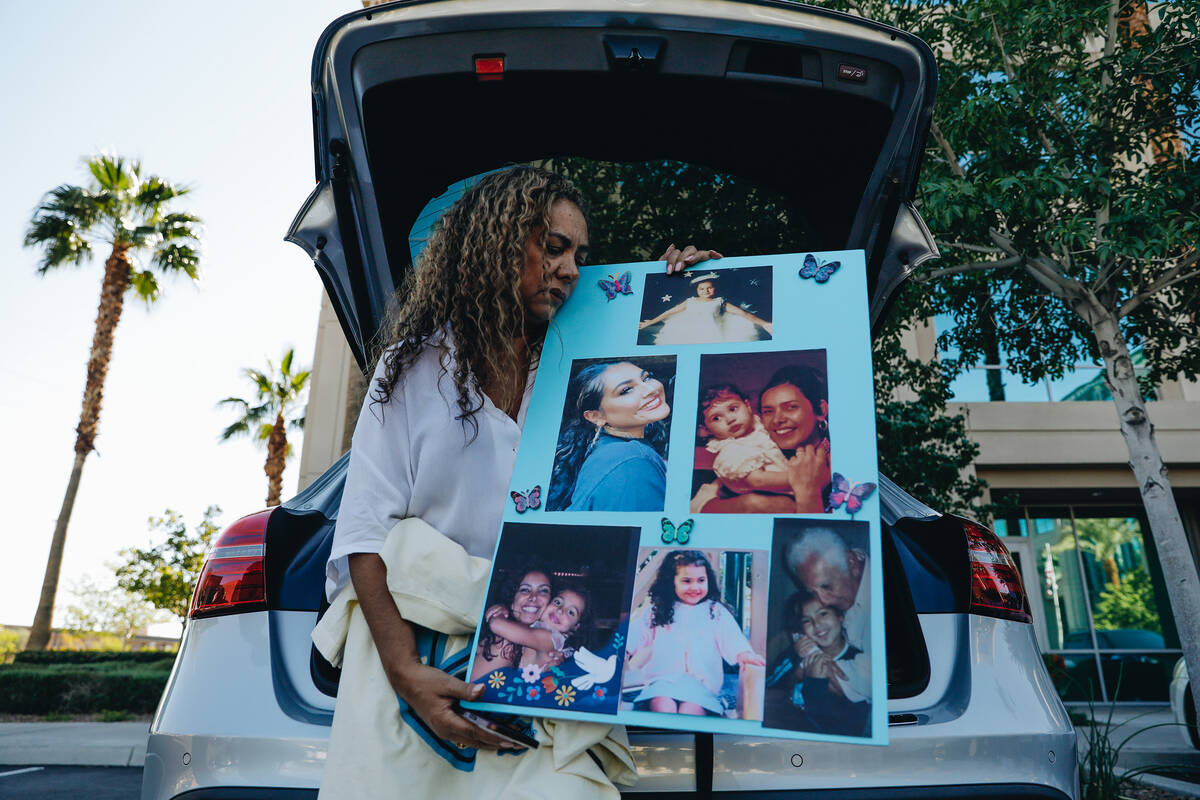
554,658
808,474
493,612
750,658
432,694
644,324
679,260
821,665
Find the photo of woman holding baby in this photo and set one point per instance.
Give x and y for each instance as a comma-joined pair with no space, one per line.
554,625
728,305
765,449
612,446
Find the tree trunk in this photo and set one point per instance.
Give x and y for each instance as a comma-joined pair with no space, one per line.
276,460
112,300
1114,574
1166,526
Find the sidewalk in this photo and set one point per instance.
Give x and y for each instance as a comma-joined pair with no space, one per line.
1158,746
93,744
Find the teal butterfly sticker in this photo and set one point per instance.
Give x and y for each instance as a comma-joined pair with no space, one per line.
682,534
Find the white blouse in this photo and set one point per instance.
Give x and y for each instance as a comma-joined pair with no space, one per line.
410,457
695,643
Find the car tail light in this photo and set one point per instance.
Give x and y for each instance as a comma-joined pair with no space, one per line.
231,581
996,589
489,68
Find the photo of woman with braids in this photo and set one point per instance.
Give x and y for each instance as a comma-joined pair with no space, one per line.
612,446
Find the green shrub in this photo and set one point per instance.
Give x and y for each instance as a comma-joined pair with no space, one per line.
108,715
91,656
81,688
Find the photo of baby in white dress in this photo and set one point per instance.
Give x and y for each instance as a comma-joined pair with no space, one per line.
727,305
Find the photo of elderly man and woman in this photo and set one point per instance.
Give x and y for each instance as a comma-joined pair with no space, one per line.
555,621
711,305
819,628
611,452
697,633
762,434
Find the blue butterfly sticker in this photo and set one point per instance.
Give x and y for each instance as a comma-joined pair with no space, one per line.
852,495
682,534
527,500
617,284
818,272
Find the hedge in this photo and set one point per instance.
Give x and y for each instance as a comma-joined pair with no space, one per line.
90,656
82,688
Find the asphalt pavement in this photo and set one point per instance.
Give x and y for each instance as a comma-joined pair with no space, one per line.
66,749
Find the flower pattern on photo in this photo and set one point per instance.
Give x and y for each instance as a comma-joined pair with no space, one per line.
496,679
531,672
532,692
565,695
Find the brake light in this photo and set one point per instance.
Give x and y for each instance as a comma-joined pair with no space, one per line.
489,68
231,581
996,589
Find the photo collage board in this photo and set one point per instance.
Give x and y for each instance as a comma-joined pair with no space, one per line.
692,538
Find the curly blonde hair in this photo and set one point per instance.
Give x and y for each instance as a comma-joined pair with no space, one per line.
468,280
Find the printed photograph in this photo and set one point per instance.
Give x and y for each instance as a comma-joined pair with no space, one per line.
556,618
819,628
697,633
708,305
611,452
762,434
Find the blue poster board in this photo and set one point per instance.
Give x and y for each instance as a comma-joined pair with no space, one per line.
693,536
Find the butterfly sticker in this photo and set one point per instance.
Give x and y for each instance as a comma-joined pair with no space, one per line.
818,272
682,534
527,500
617,284
852,495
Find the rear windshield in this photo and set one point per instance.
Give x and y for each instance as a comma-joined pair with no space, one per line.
775,168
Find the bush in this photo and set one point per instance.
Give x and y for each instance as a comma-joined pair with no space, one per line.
82,688
91,656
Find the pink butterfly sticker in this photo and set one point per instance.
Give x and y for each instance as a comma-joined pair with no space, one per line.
527,500
852,495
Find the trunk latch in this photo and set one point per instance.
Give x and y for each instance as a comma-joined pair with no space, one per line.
634,53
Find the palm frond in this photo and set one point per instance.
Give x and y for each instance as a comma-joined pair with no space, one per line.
285,366
234,401
239,428
145,285
155,191
264,431
61,242
178,225
113,173
178,258
298,423
299,380
73,202
261,381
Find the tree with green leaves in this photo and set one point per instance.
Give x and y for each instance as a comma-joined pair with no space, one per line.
1063,179
268,416
923,446
130,215
96,608
165,574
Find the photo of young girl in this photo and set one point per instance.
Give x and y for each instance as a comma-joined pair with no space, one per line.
819,679
721,305
554,625
690,651
762,434
611,452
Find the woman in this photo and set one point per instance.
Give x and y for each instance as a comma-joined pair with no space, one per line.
795,412
611,456
438,433
528,597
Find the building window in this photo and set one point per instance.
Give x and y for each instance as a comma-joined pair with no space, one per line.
1100,605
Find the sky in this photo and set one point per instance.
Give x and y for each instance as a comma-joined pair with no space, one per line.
215,96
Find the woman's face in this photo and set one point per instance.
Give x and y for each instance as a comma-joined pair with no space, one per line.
705,290
691,583
550,272
788,416
532,595
564,612
632,399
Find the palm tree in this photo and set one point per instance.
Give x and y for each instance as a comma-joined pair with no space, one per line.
128,213
268,415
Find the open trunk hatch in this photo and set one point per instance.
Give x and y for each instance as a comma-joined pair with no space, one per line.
826,110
